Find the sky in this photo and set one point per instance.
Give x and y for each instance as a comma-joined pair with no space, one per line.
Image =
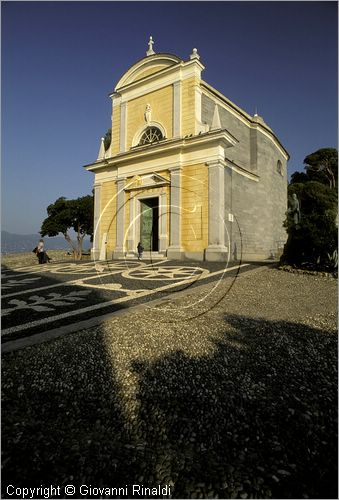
61,60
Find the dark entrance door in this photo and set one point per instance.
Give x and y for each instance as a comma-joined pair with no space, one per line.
149,224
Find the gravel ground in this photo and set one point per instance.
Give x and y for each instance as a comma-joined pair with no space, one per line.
238,402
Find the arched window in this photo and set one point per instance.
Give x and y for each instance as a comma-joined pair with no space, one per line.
279,167
151,134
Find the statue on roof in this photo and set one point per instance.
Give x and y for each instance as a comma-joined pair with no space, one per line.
150,51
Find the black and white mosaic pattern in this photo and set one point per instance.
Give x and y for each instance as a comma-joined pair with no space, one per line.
39,298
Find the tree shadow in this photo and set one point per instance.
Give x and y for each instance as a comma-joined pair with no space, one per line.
61,417
61,433
255,419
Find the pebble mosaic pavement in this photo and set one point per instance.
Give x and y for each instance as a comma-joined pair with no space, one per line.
36,299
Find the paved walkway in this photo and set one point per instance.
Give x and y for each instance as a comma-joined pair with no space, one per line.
38,299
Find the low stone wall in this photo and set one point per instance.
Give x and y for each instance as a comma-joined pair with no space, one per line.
22,259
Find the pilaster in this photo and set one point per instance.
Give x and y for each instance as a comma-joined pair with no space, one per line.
175,250
131,242
119,248
197,101
177,110
216,250
123,121
162,222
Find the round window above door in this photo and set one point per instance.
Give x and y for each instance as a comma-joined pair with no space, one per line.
151,135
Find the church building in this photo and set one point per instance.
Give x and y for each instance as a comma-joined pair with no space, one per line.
188,173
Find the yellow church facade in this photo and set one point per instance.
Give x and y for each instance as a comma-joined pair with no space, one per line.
175,164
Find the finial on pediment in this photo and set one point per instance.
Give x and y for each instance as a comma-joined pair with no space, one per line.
216,119
195,54
150,51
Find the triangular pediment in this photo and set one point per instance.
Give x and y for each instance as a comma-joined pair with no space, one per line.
147,180
158,178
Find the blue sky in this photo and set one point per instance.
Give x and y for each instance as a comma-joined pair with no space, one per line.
60,60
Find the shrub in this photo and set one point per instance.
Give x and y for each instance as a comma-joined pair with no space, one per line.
313,242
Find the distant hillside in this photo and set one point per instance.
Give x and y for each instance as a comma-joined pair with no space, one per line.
14,243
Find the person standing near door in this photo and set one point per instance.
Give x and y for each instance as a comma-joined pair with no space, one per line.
140,249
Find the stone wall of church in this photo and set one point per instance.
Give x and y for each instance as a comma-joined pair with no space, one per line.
274,191
241,152
258,206
247,233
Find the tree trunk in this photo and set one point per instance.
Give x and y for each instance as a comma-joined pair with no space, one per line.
70,242
80,244
79,239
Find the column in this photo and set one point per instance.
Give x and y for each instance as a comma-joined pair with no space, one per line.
95,252
216,250
120,218
175,250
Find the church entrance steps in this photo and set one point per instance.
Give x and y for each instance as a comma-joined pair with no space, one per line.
148,256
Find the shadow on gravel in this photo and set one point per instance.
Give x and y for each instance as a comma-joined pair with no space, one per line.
255,419
68,431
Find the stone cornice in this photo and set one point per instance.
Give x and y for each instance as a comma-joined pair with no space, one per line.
241,170
167,146
216,163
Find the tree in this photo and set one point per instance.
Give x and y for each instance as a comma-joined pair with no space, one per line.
64,215
299,177
314,240
107,139
322,166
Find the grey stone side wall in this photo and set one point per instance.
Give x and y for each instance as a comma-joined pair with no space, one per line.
254,149
258,207
241,152
249,233
275,186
